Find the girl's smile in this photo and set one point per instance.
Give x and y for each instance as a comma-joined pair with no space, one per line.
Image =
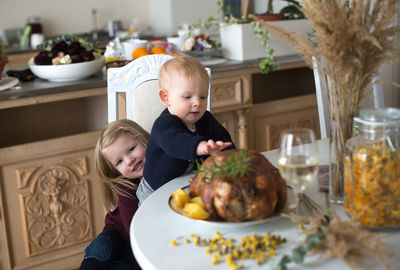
138,166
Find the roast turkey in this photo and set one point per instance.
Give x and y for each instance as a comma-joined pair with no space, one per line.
239,185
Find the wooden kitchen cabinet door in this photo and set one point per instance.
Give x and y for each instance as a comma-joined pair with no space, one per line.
229,121
269,119
231,100
51,202
20,58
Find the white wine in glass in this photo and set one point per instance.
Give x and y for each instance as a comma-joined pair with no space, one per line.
298,170
298,160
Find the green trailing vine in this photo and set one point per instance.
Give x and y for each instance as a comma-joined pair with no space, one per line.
268,63
236,165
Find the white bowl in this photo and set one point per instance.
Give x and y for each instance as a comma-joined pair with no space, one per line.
68,72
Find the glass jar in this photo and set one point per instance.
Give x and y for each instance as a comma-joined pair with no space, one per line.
372,169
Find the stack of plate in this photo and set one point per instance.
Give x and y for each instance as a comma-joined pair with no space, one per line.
8,82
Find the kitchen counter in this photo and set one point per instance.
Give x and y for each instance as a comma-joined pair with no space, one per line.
40,87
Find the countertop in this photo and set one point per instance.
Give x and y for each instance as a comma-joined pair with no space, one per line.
40,87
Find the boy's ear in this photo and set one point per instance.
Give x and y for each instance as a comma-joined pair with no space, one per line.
163,93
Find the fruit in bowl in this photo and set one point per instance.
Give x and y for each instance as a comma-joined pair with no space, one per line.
66,49
200,46
66,58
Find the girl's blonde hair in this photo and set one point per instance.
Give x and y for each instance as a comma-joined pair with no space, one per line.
109,176
185,66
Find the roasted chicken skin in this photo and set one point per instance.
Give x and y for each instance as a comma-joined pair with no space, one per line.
256,195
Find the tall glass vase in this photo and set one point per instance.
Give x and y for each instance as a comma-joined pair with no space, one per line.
340,132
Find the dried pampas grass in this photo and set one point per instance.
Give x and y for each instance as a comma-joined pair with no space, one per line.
351,41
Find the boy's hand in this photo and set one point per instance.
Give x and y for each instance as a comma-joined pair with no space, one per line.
209,147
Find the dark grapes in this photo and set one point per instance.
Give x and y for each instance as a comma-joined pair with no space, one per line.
77,48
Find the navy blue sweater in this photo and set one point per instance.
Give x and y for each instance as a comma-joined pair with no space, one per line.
172,146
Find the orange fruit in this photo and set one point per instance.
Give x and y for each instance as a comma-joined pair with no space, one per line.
158,50
139,52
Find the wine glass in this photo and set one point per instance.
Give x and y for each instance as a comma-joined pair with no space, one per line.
298,160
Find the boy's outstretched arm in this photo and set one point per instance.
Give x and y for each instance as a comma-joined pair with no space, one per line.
211,146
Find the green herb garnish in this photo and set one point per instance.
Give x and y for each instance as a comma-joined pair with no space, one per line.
236,165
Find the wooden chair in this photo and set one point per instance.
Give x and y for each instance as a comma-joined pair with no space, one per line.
322,103
133,90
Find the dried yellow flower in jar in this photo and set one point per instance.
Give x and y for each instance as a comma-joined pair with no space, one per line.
372,184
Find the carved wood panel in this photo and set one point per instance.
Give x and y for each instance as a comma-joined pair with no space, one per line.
54,205
269,119
51,203
226,92
229,121
273,131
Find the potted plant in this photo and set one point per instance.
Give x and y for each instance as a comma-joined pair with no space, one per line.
3,58
240,38
245,38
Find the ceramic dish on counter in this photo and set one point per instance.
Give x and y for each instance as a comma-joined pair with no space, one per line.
68,72
213,52
8,82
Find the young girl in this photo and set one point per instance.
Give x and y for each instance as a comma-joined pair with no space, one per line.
119,162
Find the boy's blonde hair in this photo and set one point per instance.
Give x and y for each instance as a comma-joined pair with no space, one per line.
185,66
109,176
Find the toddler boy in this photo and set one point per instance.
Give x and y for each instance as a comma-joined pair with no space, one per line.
185,131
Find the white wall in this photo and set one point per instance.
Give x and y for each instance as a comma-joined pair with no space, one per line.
60,17
75,16
166,16
391,72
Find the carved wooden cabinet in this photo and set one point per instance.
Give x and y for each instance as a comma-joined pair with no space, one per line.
50,202
255,108
20,58
269,119
230,101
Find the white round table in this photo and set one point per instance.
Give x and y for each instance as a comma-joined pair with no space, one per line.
155,224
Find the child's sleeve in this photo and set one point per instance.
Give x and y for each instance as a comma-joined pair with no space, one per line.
171,135
215,130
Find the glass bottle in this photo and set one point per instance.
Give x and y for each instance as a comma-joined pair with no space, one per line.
36,30
36,25
372,169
